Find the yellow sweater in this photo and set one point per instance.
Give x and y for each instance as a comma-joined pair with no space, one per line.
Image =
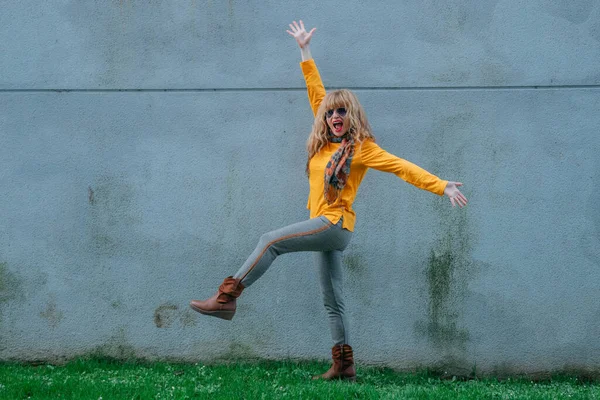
366,155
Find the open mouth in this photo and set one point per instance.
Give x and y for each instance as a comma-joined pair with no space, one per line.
337,127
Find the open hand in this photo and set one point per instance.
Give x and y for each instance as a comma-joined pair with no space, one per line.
300,34
456,197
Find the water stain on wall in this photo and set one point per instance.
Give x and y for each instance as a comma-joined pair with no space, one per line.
52,313
444,22
165,315
238,351
441,327
574,11
117,347
357,279
450,265
113,213
10,286
90,195
355,263
230,9
494,73
115,304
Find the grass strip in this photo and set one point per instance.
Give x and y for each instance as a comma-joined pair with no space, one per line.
111,379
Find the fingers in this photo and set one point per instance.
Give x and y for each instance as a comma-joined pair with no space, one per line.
295,28
311,33
458,194
458,198
458,183
296,31
457,201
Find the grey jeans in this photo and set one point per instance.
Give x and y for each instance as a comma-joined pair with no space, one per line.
321,236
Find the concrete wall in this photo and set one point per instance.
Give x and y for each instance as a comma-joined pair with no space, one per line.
146,146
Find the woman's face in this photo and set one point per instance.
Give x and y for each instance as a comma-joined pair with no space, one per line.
338,121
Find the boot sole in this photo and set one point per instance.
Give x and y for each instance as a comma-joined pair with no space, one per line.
227,315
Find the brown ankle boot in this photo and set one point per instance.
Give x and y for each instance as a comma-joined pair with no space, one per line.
343,364
222,304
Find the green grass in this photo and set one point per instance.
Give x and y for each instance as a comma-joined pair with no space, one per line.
106,379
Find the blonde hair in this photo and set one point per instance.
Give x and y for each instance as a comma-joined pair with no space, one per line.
359,125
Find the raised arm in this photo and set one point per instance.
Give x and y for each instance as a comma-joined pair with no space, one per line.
314,84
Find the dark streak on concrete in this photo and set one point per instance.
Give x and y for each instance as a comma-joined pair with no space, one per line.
355,263
114,212
10,286
450,265
442,326
116,304
238,351
90,195
117,347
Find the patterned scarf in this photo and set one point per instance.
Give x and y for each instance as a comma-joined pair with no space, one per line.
338,167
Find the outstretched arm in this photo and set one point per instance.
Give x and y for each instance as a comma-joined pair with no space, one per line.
314,84
375,157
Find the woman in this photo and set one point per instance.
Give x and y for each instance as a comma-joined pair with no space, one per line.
340,148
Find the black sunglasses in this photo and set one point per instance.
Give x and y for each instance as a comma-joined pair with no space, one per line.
340,111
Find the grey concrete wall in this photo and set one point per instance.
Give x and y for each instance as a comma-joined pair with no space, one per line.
146,146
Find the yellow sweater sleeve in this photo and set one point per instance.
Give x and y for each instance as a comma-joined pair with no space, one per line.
375,157
314,85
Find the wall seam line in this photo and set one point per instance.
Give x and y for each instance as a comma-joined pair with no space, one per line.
292,89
